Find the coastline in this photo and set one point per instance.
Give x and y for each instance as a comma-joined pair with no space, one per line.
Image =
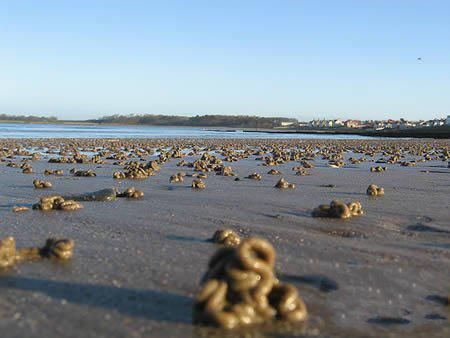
431,132
442,132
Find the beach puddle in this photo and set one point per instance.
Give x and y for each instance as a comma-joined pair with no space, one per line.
385,321
425,228
435,316
103,195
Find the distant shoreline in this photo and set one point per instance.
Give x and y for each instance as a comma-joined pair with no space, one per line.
428,132
49,122
442,132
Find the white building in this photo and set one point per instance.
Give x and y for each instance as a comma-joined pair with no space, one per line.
286,124
338,123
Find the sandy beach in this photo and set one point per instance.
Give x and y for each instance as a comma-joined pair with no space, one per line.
137,264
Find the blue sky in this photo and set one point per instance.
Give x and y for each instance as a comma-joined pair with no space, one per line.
304,59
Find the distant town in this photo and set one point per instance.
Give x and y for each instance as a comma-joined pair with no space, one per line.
374,125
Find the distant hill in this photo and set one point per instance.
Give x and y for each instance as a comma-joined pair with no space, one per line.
28,118
233,121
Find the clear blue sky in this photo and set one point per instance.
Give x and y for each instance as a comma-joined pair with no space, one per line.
304,59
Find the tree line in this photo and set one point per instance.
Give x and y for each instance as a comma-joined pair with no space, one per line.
28,118
234,121
231,121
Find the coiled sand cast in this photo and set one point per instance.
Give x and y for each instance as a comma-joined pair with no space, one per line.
226,237
61,249
374,190
240,289
338,209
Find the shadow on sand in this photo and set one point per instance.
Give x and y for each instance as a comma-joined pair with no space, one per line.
149,304
320,282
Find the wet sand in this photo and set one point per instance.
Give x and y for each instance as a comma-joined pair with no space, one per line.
137,263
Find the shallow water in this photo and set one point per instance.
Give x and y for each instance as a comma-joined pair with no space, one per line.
19,130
